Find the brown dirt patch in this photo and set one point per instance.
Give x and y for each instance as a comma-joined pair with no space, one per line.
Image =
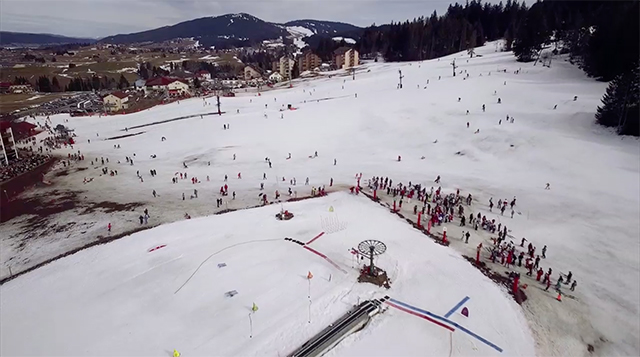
42,206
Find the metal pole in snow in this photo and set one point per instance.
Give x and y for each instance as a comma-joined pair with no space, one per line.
309,310
250,327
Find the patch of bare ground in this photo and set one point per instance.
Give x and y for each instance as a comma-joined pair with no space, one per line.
38,205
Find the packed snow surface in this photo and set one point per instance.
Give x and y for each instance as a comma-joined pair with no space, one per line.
299,31
117,298
148,303
346,39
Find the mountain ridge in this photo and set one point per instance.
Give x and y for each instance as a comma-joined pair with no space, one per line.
26,38
237,29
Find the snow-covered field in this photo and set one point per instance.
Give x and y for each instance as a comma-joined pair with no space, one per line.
119,293
128,301
346,39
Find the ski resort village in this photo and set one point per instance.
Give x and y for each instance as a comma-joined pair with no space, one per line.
475,201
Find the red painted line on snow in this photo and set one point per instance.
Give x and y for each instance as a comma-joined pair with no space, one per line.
156,248
316,237
325,258
315,251
420,315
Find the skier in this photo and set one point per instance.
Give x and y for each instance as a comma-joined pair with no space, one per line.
335,162
437,180
225,178
331,182
544,252
154,193
183,196
239,175
234,195
483,107
467,235
548,187
195,193
141,219
512,212
109,227
539,274
234,156
573,285
261,186
522,242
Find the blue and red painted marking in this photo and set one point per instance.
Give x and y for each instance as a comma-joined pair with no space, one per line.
455,308
439,320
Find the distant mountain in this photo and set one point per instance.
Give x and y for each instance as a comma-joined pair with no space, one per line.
236,29
327,28
220,31
37,39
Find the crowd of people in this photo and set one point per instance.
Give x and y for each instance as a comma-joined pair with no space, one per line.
26,162
438,208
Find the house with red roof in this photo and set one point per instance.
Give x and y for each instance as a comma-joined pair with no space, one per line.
116,101
175,87
203,75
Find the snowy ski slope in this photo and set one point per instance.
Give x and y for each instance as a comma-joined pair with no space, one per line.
119,299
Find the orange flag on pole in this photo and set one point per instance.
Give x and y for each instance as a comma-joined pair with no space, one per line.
309,276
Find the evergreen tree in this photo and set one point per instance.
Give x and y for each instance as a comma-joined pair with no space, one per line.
620,104
123,83
94,84
55,85
143,72
532,34
295,71
43,84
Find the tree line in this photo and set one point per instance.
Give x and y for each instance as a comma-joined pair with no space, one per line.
601,37
460,28
94,83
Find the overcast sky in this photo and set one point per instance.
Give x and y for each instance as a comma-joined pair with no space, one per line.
100,18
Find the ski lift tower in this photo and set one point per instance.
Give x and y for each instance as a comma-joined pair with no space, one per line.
371,274
371,248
